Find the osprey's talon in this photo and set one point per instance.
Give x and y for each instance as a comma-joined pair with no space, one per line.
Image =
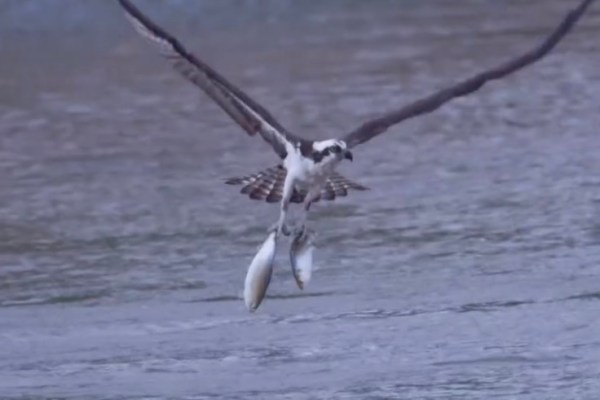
282,229
300,231
273,228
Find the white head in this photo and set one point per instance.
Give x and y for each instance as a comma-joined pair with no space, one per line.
330,151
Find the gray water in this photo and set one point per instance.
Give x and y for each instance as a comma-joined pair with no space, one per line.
470,270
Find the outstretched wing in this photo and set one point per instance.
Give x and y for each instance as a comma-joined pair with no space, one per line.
376,126
250,115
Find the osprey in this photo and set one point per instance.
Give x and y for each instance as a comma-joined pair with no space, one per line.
307,171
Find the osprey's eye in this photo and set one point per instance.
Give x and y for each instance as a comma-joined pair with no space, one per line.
325,152
336,149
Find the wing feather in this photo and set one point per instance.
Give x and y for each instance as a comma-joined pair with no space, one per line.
250,115
428,104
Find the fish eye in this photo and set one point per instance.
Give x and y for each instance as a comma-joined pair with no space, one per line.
336,149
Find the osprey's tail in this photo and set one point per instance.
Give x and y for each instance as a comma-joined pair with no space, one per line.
268,185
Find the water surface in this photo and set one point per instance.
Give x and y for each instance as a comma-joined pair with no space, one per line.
468,271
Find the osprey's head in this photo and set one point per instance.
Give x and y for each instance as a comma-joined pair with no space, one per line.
330,151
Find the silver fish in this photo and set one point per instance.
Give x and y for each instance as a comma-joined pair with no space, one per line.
259,273
301,256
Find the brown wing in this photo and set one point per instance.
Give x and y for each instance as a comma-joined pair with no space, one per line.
376,126
250,115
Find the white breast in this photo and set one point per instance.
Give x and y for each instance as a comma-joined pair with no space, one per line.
305,172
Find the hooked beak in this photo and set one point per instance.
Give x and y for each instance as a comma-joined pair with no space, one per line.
348,155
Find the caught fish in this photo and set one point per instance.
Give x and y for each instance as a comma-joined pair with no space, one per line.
301,256
259,273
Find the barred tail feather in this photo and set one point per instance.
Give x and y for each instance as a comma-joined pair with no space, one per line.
338,186
264,185
267,185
